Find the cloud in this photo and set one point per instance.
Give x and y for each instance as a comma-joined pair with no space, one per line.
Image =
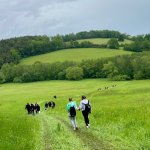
50,17
32,17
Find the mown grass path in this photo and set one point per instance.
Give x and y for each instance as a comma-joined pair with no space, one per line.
92,142
46,134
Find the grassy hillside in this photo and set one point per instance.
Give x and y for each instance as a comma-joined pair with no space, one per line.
104,41
74,55
119,120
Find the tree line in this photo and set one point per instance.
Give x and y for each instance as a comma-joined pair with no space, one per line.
126,67
94,34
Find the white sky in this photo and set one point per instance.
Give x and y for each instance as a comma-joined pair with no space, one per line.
51,17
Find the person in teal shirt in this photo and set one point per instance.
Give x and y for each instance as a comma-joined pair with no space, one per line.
71,108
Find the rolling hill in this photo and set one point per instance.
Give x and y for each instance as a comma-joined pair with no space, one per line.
103,41
74,55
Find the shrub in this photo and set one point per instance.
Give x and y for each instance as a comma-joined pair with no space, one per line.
138,75
62,75
17,80
26,77
121,78
2,78
74,73
113,44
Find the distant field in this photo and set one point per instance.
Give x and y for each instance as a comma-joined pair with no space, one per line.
119,120
74,55
103,41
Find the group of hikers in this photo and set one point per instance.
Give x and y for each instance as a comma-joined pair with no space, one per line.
49,104
33,109
106,87
84,106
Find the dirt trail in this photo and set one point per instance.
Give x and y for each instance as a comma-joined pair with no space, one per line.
87,138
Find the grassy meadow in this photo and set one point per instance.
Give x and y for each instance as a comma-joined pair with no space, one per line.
74,55
119,120
103,41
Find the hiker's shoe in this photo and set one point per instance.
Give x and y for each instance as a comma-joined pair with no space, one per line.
89,125
74,129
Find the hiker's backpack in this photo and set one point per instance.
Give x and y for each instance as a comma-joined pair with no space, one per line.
72,111
88,107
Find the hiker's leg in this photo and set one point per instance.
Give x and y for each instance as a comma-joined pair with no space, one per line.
88,118
33,112
28,112
85,117
72,121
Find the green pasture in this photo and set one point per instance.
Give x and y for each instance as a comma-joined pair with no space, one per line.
103,41
74,55
119,120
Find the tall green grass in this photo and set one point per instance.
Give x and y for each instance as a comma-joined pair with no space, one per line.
119,120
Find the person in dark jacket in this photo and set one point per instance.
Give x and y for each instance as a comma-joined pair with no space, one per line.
53,104
28,108
46,106
32,109
37,108
49,104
